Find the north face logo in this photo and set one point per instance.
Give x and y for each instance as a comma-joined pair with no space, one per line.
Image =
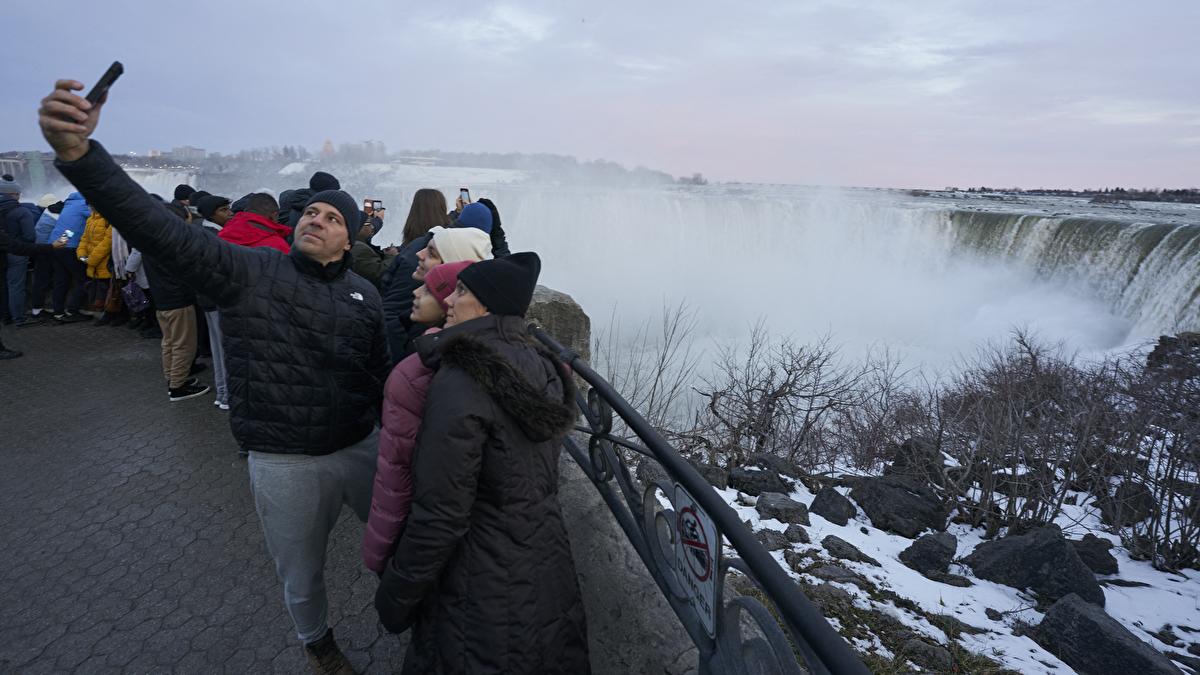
356,295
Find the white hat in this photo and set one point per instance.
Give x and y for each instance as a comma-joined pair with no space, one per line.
46,200
462,243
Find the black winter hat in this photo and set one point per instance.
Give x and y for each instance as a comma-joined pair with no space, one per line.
345,205
184,191
194,199
322,181
209,204
504,285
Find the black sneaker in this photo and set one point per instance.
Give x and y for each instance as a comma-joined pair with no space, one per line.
324,657
187,391
6,354
71,318
190,382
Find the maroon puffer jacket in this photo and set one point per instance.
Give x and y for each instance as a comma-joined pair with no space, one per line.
391,500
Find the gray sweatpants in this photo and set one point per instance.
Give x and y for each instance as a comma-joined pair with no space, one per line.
298,499
213,319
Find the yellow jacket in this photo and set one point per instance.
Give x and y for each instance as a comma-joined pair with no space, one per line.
96,246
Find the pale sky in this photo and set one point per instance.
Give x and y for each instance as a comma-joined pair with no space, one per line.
870,93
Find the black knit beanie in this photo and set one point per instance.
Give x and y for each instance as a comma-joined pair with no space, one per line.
183,191
208,205
345,205
194,199
504,285
322,181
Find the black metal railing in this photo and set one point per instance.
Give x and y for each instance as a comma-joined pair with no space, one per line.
795,632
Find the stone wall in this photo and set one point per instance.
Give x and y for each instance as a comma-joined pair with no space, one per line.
631,628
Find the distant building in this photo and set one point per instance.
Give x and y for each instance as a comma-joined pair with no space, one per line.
187,153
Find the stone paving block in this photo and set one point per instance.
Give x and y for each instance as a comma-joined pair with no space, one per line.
134,513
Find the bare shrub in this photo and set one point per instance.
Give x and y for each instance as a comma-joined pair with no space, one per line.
1026,426
653,366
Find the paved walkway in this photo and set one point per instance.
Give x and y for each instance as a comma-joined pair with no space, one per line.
128,538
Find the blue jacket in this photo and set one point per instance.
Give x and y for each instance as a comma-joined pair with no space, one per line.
74,218
43,228
18,220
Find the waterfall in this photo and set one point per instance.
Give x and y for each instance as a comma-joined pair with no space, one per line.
1148,273
161,182
924,277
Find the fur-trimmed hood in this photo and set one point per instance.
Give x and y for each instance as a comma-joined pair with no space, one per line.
541,415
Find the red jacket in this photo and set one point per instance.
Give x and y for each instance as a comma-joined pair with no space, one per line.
391,501
253,230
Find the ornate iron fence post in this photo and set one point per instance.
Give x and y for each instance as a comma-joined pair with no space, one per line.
677,524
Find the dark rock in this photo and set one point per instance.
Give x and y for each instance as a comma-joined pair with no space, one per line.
953,627
900,505
832,506
649,471
1004,483
950,579
1131,503
1071,499
1093,551
931,553
933,657
782,508
917,458
831,572
1194,648
798,560
1167,636
864,530
1123,583
1190,661
1090,641
1041,560
1178,355
829,597
715,475
777,464
756,481
993,614
796,534
772,540
840,548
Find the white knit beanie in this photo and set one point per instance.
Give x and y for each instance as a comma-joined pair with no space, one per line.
462,243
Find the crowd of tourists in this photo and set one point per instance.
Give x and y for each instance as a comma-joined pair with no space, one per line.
401,382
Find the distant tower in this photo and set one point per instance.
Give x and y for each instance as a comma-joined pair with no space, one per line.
327,151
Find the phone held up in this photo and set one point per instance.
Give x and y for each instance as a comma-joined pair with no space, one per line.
106,80
465,195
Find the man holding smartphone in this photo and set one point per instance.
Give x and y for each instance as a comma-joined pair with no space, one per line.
306,354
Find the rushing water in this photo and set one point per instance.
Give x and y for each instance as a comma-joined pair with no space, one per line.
931,278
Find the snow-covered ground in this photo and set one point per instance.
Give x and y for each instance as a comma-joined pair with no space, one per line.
1167,598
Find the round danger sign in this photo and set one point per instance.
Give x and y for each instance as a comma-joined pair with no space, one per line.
697,557
695,544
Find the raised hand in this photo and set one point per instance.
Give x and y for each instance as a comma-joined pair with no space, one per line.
67,120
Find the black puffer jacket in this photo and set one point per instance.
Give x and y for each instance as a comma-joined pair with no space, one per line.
398,286
483,571
305,352
167,289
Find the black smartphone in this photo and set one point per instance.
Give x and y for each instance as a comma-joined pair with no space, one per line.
377,205
465,195
101,88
